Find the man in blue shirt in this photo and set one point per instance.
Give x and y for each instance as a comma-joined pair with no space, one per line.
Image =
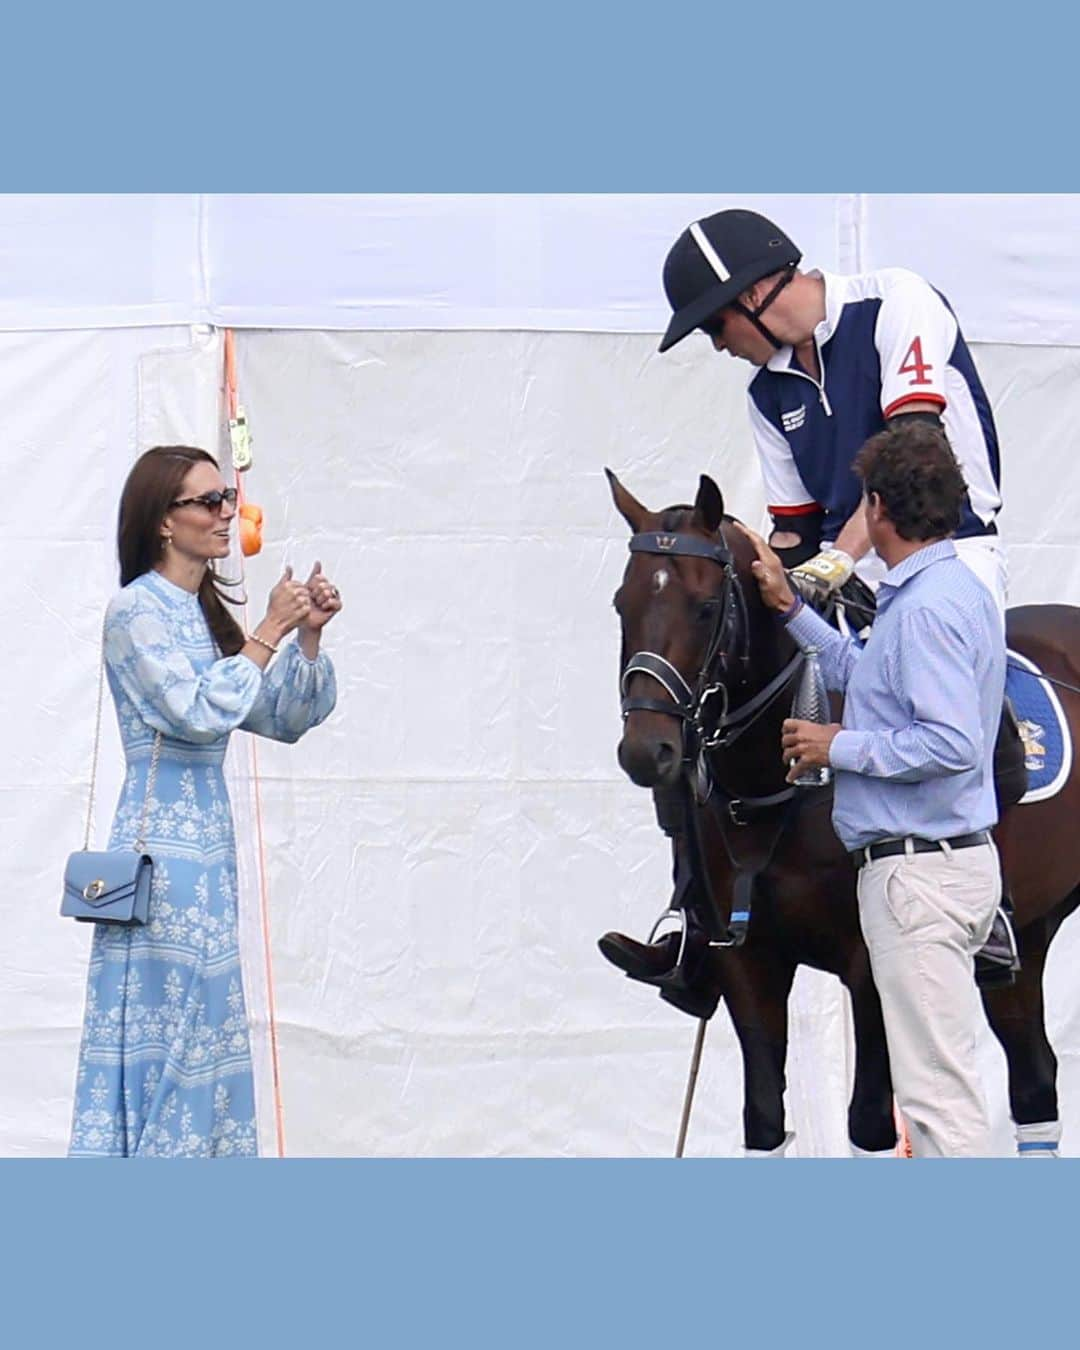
914,793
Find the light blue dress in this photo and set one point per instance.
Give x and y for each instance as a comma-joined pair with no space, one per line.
165,1061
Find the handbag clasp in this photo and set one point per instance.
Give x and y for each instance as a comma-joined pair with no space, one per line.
93,890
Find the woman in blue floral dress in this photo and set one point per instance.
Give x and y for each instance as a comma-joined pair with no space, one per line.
165,1062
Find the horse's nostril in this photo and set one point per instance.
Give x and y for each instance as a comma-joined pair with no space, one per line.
648,762
666,758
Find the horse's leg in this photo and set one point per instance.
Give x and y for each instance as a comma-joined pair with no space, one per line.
871,1123
757,982
1016,1015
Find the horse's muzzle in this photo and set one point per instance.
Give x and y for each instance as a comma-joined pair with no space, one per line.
650,762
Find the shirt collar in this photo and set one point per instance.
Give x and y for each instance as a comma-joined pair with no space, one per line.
169,589
917,562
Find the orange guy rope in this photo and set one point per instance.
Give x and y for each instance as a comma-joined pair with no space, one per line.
251,516
903,1138
241,462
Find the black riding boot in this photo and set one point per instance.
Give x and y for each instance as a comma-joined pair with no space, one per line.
641,960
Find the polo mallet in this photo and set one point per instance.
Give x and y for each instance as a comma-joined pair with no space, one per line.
691,1083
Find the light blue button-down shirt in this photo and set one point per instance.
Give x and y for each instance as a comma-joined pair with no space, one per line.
922,703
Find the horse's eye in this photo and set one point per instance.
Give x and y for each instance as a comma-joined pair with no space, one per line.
616,600
706,610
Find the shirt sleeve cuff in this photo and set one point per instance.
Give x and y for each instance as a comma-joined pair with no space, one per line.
847,750
809,629
247,661
303,656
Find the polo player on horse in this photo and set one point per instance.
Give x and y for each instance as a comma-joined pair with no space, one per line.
838,357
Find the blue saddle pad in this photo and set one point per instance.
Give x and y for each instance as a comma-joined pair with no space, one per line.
1043,728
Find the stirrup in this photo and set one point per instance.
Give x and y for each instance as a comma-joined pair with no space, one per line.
679,915
998,960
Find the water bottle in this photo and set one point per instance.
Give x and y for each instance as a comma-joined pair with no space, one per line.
811,704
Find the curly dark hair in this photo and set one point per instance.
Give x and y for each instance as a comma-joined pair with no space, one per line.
911,467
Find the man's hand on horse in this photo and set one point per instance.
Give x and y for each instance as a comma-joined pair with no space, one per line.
805,745
769,573
821,576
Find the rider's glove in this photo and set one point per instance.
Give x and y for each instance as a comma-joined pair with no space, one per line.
820,576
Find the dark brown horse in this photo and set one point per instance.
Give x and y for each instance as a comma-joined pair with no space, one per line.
773,853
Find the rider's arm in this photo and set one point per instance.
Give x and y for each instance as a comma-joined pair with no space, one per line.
854,538
914,334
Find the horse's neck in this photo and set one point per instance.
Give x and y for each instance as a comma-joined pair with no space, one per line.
753,766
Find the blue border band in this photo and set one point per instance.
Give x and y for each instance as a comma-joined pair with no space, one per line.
526,1254
570,97
560,98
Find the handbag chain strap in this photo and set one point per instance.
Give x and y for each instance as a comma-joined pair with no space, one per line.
151,778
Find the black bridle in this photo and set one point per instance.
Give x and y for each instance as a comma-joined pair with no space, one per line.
726,665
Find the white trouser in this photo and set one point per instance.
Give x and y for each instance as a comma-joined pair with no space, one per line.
985,556
924,916
983,553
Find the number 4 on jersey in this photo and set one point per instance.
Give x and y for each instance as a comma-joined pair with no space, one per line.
913,364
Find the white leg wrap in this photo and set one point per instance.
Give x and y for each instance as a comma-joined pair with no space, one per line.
1040,1140
857,1152
778,1152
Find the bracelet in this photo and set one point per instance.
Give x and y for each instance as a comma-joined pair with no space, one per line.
254,637
792,609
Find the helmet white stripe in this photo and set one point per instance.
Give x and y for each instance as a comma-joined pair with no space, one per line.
711,255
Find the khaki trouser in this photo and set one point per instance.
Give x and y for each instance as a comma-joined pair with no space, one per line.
924,915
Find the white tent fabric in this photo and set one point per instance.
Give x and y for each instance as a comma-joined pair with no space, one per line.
551,263
444,852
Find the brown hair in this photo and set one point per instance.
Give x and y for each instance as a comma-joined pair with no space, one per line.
912,468
152,486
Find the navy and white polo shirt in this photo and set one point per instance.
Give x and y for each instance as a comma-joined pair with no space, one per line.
887,339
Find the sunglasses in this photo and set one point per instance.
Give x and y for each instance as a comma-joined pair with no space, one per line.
211,500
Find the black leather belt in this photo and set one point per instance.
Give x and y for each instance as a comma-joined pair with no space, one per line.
889,848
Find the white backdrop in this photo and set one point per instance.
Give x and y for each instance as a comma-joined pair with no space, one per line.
445,851
551,263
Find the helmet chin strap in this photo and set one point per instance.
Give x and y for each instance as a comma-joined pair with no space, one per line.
754,315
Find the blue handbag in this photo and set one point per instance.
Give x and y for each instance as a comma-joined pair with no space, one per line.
111,886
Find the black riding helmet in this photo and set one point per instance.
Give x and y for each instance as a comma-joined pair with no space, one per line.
712,263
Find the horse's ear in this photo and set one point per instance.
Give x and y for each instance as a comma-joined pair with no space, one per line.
626,504
709,506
